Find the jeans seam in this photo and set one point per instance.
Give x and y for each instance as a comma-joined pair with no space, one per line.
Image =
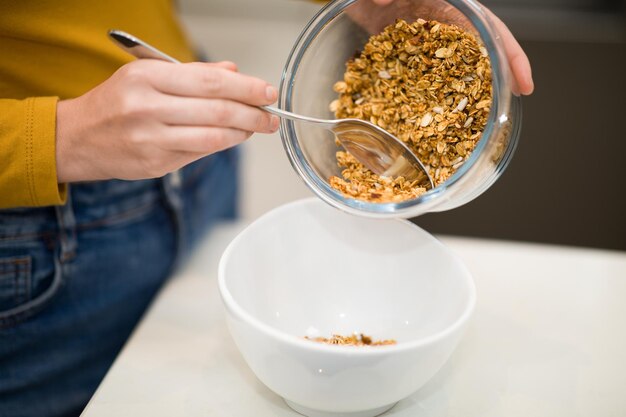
122,216
25,236
15,269
129,214
15,314
63,256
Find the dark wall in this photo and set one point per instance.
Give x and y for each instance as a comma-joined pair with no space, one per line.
566,183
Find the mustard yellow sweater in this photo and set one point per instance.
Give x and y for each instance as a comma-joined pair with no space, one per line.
57,49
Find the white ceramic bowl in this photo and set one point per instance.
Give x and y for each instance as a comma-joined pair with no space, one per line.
306,267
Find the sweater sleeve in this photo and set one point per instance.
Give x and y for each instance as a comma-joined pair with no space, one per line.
28,175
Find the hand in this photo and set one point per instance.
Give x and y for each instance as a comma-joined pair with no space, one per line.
152,117
518,61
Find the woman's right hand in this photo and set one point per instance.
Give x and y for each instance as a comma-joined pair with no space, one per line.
153,117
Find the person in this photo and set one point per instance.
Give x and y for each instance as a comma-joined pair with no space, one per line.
110,171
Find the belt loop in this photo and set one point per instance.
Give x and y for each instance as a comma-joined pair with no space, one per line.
67,229
171,185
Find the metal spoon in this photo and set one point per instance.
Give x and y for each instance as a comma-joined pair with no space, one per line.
377,149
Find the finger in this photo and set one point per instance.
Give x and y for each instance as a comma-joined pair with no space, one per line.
202,140
518,61
231,66
217,112
383,2
211,81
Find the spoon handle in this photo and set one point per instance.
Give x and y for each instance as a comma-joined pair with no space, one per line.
140,49
298,117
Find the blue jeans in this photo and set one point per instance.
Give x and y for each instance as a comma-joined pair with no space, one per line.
75,280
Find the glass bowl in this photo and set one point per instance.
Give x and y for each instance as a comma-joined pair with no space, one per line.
317,61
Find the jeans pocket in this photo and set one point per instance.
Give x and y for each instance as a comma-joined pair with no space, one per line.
30,276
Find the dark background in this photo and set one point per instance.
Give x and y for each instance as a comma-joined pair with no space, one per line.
566,183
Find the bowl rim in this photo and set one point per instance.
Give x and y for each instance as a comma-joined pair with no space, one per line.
233,307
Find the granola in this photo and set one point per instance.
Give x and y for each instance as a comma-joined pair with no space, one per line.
428,83
356,339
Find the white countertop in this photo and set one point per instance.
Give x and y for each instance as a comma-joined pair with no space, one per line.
548,338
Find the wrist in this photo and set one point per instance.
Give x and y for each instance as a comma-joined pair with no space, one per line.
68,161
